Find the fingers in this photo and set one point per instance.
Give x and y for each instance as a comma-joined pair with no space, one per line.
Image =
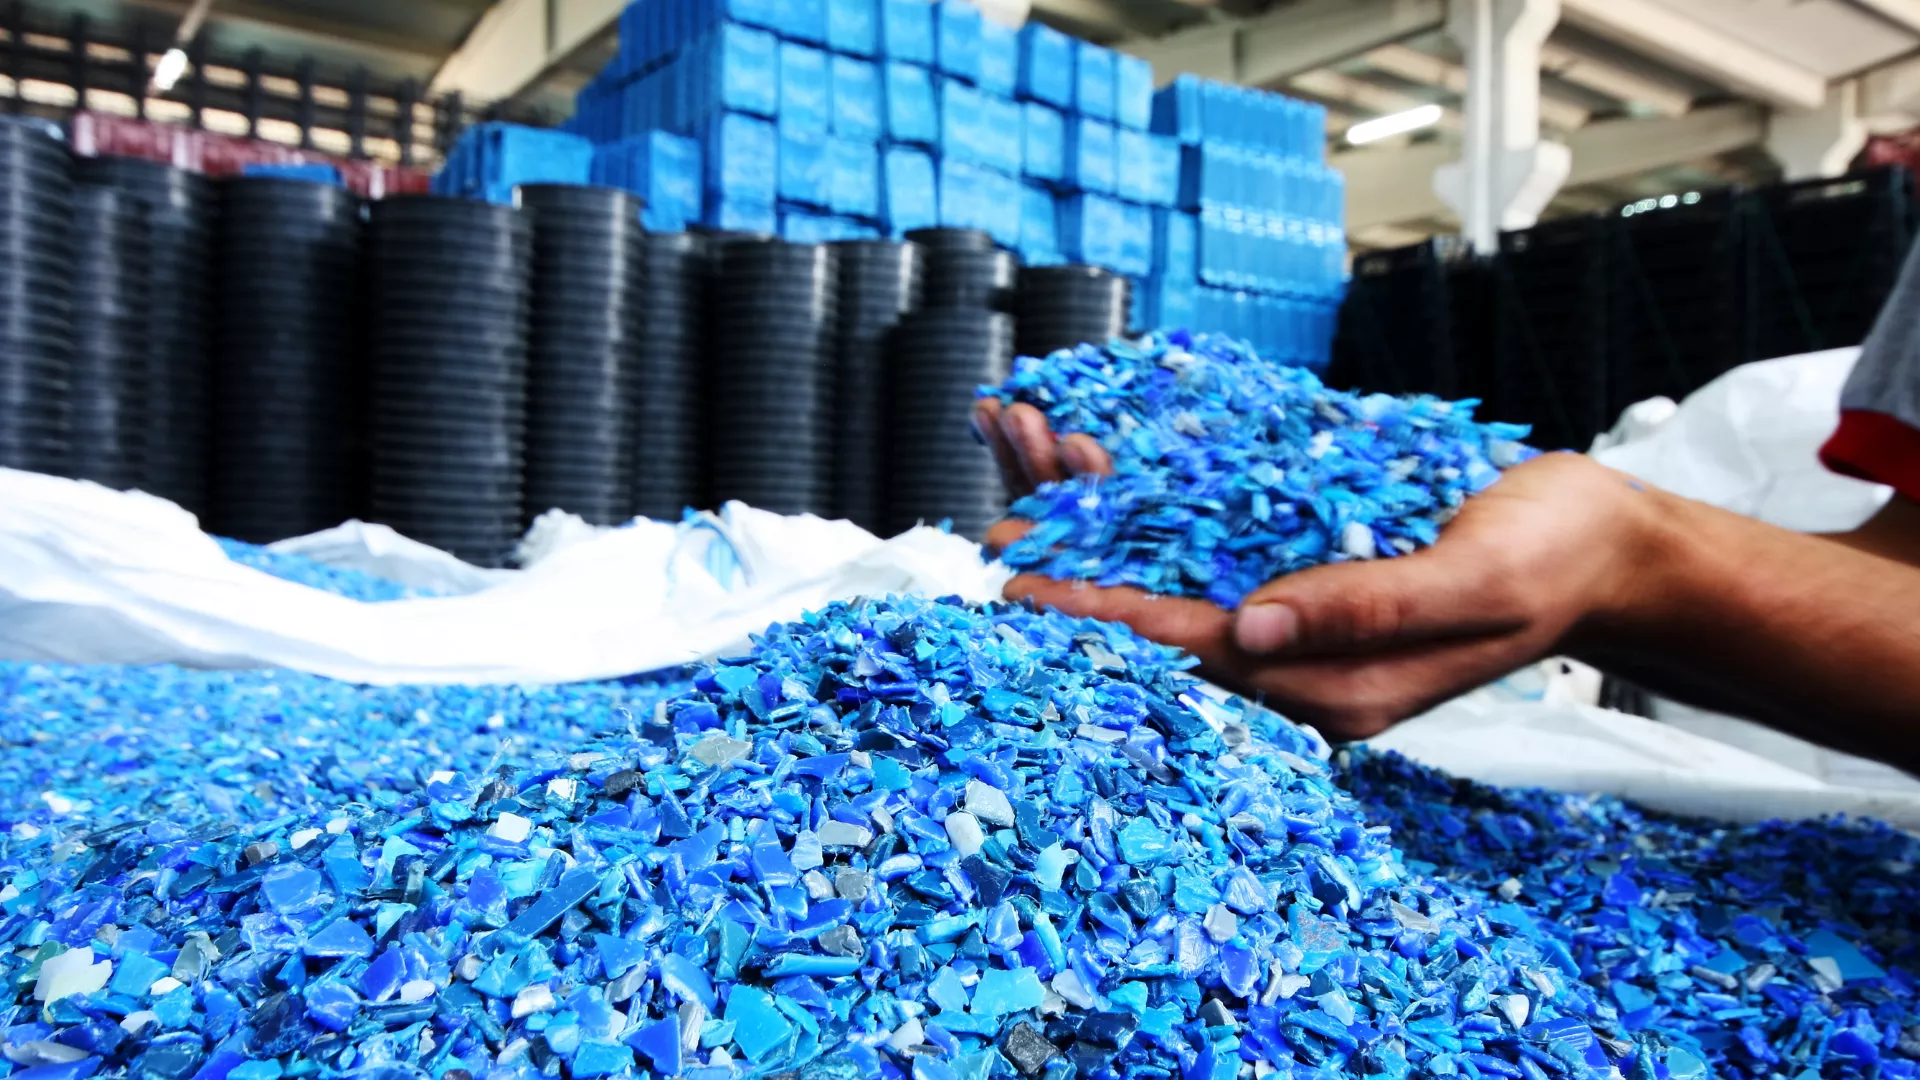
1026,430
986,427
1084,456
1448,591
1200,628
1005,532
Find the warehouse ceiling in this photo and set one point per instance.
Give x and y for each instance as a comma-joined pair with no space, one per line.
1653,96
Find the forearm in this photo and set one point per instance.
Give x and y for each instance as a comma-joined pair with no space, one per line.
1800,632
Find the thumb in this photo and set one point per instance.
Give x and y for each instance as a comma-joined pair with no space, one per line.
1374,605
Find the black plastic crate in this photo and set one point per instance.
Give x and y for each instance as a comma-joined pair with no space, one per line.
1676,298
1550,332
1396,332
1822,257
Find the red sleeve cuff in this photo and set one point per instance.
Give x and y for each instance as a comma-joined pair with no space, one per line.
1877,447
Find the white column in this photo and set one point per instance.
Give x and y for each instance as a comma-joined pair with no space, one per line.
1814,143
1506,174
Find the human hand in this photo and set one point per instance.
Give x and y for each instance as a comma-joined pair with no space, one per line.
1547,560
1024,447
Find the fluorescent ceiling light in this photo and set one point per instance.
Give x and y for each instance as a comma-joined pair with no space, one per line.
1385,127
171,67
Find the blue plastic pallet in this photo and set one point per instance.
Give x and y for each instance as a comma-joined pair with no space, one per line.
1132,92
660,167
1176,243
491,159
999,58
1090,161
805,174
853,178
909,190
1093,80
741,152
1039,226
742,215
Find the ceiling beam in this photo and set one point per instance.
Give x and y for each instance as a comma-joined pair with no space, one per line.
1415,66
1613,80
259,16
1389,186
1287,41
1904,14
518,42
1363,96
1661,32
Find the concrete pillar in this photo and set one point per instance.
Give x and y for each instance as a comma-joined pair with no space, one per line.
1506,174
1813,143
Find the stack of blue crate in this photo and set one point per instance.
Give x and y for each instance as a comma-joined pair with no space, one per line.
1256,247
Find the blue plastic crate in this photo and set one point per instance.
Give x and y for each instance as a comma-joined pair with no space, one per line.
735,68
1136,239
312,172
853,178
963,134
909,191
740,153
906,31
1043,150
805,175
961,195
956,50
1046,65
1165,304
1039,226
853,27
1176,109
911,112
1093,80
806,100
491,159
1000,207
662,168
1175,240
1132,92
801,20
856,99
999,58
1132,171
1163,171
1091,228
1001,133
1090,155
742,215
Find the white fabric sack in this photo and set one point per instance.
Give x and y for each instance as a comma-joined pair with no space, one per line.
89,575
1749,442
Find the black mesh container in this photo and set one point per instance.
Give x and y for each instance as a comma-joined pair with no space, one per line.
1397,332
936,470
1822,257
589,287
776,317
452,284
1550,332
1675,296
288,399
669,375
36,296
1059,307
179,209
106,405
880,283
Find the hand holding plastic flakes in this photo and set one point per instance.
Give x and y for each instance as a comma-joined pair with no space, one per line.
899,838
1230,470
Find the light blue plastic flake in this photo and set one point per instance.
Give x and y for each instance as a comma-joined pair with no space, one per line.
1001,991
1231,470
759,1027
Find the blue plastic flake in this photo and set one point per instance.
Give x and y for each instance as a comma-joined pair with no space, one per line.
351,584
900,838
1231,470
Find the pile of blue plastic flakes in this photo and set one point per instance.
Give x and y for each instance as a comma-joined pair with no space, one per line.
303,571
903,838
1231,471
